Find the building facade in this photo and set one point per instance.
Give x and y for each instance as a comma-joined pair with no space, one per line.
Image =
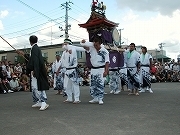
49,52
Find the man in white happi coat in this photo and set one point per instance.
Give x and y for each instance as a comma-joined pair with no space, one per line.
71,78
58,74
145,67
133,59
100,66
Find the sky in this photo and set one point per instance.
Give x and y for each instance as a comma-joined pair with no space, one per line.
144,22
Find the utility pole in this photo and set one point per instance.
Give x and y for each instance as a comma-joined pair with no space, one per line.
51,32
161,47
66,6
120,36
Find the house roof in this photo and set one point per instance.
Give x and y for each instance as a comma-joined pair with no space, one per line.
98,19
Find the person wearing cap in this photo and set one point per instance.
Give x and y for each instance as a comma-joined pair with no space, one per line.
145,67
58,74
133,59
14,84
39,81
100,67
71,80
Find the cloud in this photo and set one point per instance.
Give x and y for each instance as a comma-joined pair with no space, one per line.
165,7
130,16
17,14
4,13
5,46
48,35
49,28
1,25
75,33
153,31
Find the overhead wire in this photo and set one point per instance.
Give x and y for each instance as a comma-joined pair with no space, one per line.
34,31
77,37
75,11
30,23
80,8
40,41
35,10
43,23
74,19
28,28
82,37
35,18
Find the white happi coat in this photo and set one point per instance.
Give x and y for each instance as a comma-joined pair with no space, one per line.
55,67
145,75
71,79
133,60
97,59
70,61
133,76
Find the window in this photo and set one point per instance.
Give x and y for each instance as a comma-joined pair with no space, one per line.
3,58
15,58
45,54
59,52
79,54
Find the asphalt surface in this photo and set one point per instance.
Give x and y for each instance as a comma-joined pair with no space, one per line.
147,114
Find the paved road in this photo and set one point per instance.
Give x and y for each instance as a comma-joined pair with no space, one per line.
147,114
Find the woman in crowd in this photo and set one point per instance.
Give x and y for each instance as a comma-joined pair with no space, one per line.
23,81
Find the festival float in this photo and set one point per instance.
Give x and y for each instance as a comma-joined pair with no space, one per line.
98,24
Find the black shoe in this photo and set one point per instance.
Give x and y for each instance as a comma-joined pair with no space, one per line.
64,94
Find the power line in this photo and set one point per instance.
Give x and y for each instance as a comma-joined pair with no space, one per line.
82,13
46,41
34,31
77,37
30,28
35,10
30,23
66,20
75,19
81,8
35,18
77,33
40,41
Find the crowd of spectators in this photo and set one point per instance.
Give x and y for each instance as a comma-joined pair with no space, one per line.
167,72
13,77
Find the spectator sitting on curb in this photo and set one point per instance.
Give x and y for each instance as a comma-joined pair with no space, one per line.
6,86
23,81
14,84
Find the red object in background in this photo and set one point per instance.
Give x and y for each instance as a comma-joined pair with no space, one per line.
153,70
94,3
